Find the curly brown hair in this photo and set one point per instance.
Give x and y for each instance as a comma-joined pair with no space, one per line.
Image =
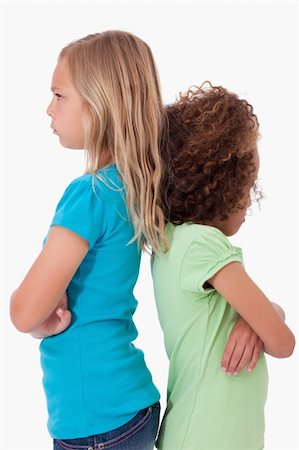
210,155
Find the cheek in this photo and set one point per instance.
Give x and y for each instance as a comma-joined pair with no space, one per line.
80,133
243,214
239,219
77,134
78,120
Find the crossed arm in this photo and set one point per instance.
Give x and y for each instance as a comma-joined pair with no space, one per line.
39,306
266,319
39,303
243,347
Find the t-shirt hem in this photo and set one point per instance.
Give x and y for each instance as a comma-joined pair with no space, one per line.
73,229
95,430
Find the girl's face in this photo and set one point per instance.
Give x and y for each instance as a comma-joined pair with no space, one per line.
236,219
66,109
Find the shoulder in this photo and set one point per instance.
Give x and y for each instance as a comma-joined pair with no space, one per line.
202,235
199,251
85,206
199,244
211,236
104,181
77,189
213,242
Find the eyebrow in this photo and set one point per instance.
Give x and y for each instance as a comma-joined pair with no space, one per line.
55,88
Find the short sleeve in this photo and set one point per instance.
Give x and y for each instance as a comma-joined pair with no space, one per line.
209,252
82,210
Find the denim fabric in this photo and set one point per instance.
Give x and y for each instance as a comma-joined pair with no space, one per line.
138,434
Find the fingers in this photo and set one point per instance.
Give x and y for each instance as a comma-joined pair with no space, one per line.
255,356
64,315
228,355
242,349
60,312
236,366
65,318
63,303
234,361
238,355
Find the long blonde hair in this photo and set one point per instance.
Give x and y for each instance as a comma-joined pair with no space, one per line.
115,74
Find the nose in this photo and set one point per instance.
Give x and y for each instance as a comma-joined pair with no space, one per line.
50,110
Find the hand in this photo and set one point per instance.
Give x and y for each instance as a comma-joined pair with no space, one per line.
57,322
243,348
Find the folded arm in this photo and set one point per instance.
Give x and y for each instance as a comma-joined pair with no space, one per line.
44,286
265,319
56,323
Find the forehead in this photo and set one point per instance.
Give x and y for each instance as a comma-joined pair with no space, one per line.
61,78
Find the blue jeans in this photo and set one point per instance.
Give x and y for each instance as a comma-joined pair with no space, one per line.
138,434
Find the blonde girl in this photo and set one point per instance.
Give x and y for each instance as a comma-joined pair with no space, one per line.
201,286
78,294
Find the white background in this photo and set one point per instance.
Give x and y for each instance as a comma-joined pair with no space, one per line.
249,48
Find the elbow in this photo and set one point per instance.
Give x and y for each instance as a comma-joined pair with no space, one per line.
289,348
21,319
20,322
284,349
284,353
22,327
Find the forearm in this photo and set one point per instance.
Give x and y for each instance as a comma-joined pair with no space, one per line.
38,296
280,312
27,311
266,319
58,321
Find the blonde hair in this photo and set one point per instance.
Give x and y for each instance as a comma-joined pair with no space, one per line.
115,74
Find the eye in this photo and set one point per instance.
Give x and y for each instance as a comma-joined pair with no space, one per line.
58,96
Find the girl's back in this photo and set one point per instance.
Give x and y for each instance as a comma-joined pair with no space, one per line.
78,294
206,409
202,290
93,361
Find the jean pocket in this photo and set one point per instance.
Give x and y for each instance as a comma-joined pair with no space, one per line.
134,430
132,427
72,444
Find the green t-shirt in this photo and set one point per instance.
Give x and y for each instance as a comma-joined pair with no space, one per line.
206,408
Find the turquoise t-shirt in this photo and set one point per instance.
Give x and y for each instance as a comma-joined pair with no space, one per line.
95,379
206,409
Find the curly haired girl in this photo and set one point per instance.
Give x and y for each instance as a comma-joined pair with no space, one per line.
201,286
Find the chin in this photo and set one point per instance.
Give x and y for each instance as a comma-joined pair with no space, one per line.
69,145
231,232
